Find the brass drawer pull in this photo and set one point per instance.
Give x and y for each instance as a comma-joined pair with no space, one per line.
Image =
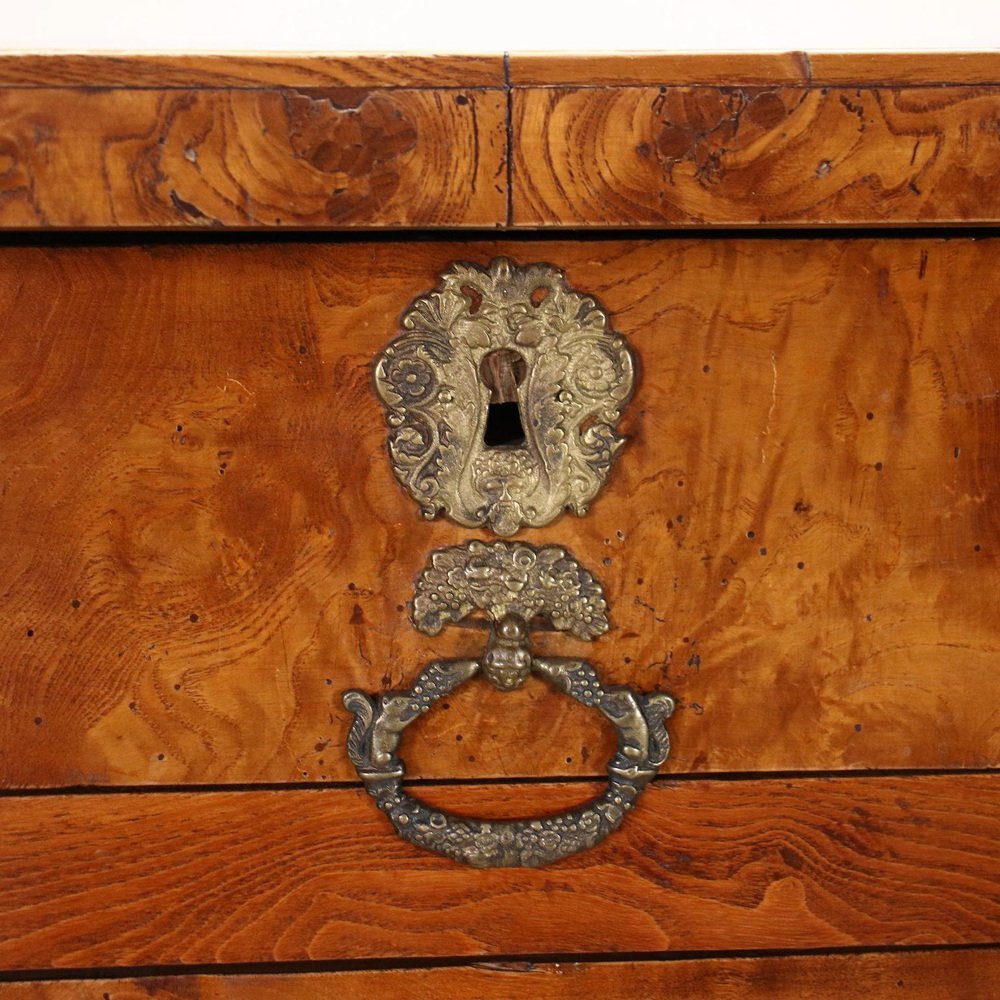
512,583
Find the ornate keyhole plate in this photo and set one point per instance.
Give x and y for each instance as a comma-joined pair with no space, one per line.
569,374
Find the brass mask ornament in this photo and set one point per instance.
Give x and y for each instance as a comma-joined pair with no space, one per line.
503,394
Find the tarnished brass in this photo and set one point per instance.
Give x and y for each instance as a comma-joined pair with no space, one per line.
503,394
515,585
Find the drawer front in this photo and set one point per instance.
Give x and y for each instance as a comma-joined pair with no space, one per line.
205,546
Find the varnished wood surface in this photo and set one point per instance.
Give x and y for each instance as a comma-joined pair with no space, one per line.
905,68
597,141
655,156
333,157
173,878
616,69
203,544
748,69
119,69
111,69
921,975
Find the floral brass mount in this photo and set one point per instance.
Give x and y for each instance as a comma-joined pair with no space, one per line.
514,584
486,342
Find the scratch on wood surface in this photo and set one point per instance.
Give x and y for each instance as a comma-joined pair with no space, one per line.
225,388
774,403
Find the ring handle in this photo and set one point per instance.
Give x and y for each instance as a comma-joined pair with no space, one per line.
643,745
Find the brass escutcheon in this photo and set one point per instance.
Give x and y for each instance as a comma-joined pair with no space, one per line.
503,394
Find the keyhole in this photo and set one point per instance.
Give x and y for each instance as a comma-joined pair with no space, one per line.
502,372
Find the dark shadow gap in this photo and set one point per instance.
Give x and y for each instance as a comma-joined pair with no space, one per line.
661,780
74,238
510,963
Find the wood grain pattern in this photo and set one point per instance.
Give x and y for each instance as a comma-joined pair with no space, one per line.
905,68
331,158
615,69
945,974
119,69
174,878
655,156
749,69
203,545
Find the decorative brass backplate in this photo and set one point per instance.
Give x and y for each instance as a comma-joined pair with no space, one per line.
513,584
504,337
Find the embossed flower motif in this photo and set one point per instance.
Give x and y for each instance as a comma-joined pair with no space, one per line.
411,378
478,581
486,841
595,374
549,840
611,812
409,441
579,605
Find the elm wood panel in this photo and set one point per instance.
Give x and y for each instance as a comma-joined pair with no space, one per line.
749,69
657,156
526,69
220,548
119,69
615,69
946,974
251,158
190,878
916,68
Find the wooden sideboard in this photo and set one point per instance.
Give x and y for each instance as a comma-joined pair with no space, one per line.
202,543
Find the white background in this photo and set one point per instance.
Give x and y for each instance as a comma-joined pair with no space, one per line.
491,26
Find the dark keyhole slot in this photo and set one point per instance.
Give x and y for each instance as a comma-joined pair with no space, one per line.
503,426
502,372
